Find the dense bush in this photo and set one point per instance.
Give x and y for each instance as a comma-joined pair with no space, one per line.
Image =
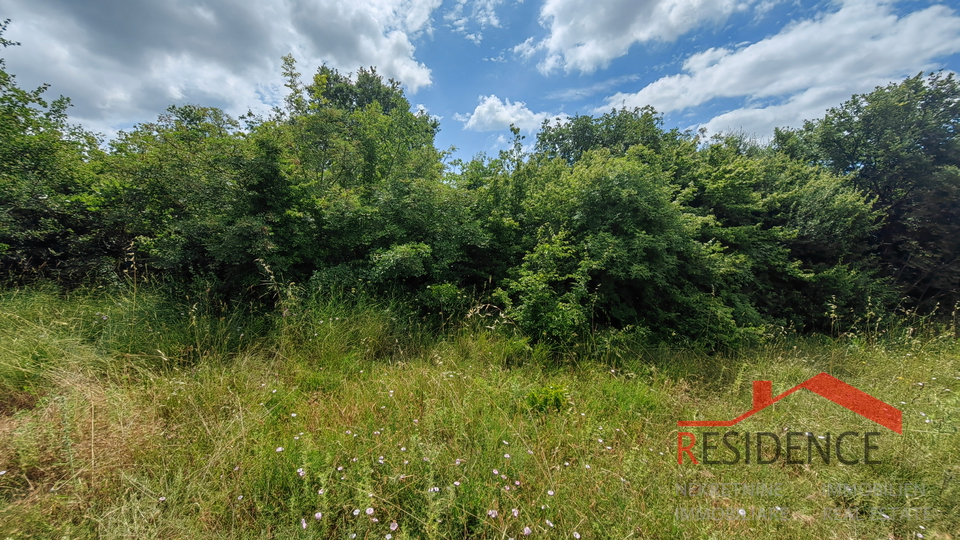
610,222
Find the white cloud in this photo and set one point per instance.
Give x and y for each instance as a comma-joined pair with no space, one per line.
585,36
492,114
806,68
483,13
573,94
125,62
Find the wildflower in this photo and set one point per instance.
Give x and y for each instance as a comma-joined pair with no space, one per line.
393,525
279,449
505,442
742,512
293,415
3,473
319,492
318,515
530,452
550,523
161,499
507,456
492,513
403,448
369,511
388,536
239,497
340,468
550,492
576,535
516,513
526,531
301,472
434,489
356,511
587,466
303,523
456,483
496,472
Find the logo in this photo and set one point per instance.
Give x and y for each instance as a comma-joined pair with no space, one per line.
824,385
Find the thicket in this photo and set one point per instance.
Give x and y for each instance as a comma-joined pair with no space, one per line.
609,222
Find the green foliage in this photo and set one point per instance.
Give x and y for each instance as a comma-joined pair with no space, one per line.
546,398
340,406
47,227
611,224
899,145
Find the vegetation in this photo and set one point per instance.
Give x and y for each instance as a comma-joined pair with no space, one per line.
126,414
307,326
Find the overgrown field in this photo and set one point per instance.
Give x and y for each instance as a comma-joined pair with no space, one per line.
127,415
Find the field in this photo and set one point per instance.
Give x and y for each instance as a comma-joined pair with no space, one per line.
124,414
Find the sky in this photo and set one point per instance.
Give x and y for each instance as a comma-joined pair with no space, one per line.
744,66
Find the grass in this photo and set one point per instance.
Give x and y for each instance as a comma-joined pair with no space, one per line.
124,414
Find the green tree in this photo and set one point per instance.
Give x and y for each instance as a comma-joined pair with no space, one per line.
899,145
47,225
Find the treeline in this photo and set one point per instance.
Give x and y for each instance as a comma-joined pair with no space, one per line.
608,222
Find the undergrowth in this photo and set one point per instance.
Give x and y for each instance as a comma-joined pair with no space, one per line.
125,413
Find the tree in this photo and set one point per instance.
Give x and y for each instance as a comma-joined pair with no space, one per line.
900,145
47,226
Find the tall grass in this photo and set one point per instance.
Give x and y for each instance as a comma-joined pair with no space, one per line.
129,414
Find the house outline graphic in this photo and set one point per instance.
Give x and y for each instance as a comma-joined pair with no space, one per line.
824,385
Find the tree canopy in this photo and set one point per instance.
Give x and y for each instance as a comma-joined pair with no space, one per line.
609,222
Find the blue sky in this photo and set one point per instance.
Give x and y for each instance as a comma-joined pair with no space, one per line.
479,65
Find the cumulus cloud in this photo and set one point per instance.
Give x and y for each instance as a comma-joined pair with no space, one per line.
585,36
482,13
492,114
126,60
807,67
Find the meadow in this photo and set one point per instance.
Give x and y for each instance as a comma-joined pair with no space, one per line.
125,413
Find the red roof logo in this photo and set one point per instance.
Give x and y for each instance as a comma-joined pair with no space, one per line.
824,385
